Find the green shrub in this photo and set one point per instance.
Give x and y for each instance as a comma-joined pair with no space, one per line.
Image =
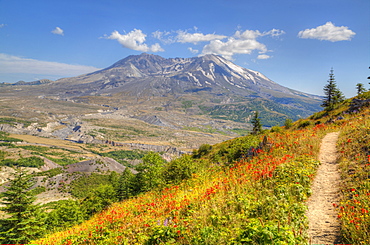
288,123
179,169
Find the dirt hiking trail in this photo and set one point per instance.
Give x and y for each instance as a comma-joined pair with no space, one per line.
324,228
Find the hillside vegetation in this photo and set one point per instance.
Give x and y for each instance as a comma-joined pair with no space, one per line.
238,193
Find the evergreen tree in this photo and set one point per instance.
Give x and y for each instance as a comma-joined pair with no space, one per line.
333,95
24,221
256,122
150,172
126,185
360,88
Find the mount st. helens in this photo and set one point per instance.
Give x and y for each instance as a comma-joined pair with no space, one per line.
209,84
177,102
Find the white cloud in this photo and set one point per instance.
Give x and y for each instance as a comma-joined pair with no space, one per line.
58,31
185,37
10,64
164,36
233,46
263,57
2,25
156,48
328,32
135,40
241,43
248,34
159,34
194,51
274,33
182,36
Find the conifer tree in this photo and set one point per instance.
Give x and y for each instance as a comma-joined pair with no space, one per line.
256,122
126,185
24,221
360,88
333,95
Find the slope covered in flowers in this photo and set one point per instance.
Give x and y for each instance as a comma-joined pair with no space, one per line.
354,150
256,199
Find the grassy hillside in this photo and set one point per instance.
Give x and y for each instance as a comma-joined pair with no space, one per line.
244,196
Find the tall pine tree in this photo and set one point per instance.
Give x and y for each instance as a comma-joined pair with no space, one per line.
256,123
333,95
23,220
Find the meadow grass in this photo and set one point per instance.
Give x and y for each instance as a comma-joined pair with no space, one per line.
246,200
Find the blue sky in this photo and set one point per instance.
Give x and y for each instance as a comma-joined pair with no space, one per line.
293,42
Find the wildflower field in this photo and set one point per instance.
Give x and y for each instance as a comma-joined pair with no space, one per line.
354,150
258,198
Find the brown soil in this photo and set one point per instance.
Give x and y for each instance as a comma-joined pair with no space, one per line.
324,227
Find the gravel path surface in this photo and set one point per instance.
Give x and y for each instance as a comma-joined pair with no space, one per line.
324,227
